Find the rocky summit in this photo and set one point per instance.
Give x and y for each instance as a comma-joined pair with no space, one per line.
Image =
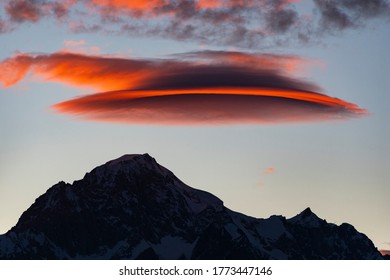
133,208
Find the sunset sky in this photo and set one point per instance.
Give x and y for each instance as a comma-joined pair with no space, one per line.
273,106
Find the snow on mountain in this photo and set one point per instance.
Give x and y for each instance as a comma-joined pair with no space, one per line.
133,208
307,217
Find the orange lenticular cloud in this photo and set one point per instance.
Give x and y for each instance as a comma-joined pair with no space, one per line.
199,88
104,73
214,106
317,98
112,73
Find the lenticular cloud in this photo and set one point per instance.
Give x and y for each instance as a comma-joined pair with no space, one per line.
198,88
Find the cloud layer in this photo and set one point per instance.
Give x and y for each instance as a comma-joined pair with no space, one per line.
197,88
242,23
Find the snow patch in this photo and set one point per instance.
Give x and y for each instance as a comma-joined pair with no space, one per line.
232,229
276,254
70,195
123,158
271,228
139,248
307,218
6,245
198,200
173,248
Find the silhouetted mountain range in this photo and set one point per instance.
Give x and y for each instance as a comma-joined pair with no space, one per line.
133,208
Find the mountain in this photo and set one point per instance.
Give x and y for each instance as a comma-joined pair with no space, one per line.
133,208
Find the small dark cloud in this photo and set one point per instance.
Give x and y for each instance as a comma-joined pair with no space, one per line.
344,14
59,10
280,20
3,26
33,11
24,10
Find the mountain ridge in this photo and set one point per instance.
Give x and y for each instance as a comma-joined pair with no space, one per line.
133,208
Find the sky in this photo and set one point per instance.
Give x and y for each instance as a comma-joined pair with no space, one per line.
273,106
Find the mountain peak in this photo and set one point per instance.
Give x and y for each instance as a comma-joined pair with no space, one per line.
129,157
133,208
307,217
128,168
307,213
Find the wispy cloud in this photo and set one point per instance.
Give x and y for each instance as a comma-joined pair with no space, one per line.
3,26
80,46
197,88
249,24
286,64
269,170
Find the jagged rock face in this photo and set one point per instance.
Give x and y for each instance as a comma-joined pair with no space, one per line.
133,208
